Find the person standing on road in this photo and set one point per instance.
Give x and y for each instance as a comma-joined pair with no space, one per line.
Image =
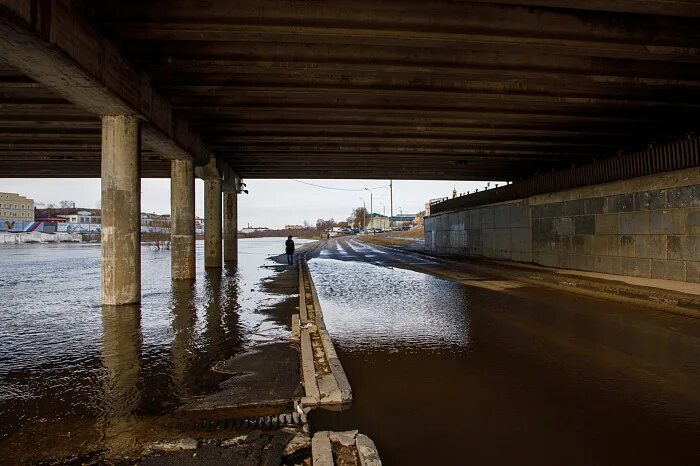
290,250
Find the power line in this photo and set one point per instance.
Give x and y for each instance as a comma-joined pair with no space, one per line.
340,189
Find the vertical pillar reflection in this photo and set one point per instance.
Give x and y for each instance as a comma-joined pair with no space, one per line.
230,307
121,359
213,331
183,345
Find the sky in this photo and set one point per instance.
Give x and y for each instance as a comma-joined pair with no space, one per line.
270,203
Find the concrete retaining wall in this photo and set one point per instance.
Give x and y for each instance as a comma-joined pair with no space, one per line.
646,227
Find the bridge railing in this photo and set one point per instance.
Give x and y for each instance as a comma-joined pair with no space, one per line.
666,157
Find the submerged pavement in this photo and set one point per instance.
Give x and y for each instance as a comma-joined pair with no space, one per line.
484,370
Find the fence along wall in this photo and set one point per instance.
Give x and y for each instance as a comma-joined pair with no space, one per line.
645,227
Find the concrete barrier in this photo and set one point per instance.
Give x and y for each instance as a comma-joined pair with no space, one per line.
644,227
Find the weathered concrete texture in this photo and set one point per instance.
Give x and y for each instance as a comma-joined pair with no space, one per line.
182,250
121,211
500,231
230,226
647,233
324,379
212,223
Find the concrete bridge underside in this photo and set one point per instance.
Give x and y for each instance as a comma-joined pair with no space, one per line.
509,90
354,89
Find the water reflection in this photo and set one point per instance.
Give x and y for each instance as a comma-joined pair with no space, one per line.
566,379
121,358
183,322
214,335
68,364
372,306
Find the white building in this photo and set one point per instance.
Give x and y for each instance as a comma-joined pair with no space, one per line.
382,222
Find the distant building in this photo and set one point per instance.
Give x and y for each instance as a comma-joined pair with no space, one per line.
420,219
431,202
248,230
293,227
72,215
155,223
383,222
14,207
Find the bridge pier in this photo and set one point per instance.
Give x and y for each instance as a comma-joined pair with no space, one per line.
182,239
230,226
212,223
121,207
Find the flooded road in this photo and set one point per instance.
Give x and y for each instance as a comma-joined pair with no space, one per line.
496,372
75,376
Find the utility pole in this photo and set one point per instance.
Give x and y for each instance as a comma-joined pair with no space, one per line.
391,205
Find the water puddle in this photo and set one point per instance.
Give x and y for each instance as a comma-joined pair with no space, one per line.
366,315
492,374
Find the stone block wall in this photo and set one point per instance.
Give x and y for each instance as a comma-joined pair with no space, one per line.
498,231
618,228
651,234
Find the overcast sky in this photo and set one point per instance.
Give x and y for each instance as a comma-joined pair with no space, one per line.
271,203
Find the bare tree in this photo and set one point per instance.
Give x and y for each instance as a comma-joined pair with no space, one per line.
322,224
359,217
66,204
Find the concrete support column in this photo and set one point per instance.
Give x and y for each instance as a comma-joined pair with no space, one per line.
121,210
212,223
230,226
182,250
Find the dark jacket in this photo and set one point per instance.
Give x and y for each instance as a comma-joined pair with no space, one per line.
290,246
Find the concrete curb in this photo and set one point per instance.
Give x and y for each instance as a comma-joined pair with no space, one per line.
323,442
321,451
321,387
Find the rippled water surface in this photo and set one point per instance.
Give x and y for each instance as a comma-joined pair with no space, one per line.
375,307
67,363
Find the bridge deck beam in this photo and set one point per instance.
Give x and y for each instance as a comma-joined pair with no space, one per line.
65,53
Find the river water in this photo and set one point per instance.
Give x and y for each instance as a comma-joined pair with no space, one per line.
444,373
74,376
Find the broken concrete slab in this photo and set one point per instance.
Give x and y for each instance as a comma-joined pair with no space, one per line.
321,451
367,451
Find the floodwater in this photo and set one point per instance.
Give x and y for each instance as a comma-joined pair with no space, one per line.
445,373
75,376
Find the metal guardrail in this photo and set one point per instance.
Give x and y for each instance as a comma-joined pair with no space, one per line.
667,157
